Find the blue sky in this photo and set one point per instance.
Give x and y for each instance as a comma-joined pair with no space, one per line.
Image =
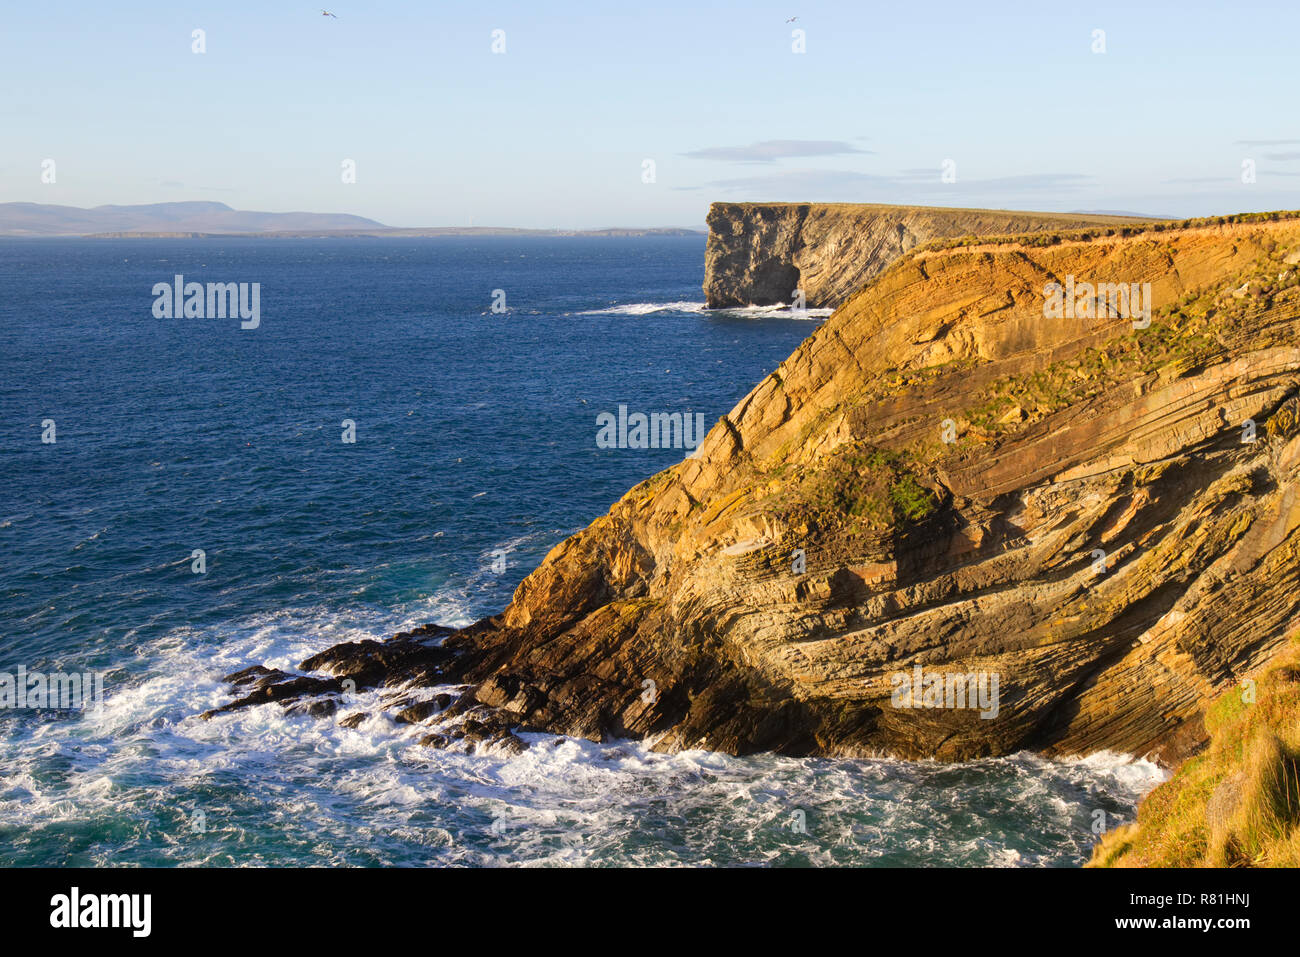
554,132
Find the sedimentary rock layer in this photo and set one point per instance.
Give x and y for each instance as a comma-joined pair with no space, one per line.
759,253
1097,510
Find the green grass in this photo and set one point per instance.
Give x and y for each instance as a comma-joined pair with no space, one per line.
863,487
1192,332
1252,762
1056,237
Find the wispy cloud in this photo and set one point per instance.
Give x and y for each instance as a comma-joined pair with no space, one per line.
1032,182
850,184
1267,142
1028,182
1289,155
769,151
1233,179
802,182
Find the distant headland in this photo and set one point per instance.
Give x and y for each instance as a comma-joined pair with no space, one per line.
198,220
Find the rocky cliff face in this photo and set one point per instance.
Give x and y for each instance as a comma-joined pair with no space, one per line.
1097,513
759,253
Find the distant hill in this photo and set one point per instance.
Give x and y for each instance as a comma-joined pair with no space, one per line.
41,219
199,219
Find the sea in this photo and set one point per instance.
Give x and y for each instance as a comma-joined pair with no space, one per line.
179,499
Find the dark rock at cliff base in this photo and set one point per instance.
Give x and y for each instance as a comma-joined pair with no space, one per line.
249,675
315,708
269,686
417,713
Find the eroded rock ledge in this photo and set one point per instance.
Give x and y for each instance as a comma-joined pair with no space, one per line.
681,617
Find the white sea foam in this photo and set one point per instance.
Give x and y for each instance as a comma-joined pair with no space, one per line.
274,788
645,309
780,311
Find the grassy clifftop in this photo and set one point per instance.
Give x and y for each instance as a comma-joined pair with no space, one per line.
1238,802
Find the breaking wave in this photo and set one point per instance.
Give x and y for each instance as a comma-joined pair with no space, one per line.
781,311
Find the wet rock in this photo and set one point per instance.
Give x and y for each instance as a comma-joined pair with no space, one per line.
406,657
417,713
316,708
508,744
279,687
249,675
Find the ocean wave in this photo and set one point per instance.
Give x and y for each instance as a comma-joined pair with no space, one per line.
781,311
645,309
129,783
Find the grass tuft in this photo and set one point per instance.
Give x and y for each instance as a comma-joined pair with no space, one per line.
1237,804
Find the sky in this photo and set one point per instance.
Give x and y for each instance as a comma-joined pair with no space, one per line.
1013,99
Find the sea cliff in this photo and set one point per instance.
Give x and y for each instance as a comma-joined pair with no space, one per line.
1096,508
759,253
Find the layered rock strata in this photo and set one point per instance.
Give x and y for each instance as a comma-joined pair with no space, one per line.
951,475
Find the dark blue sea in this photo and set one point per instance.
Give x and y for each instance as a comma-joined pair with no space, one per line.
474,440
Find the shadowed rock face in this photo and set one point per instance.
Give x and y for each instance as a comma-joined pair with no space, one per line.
759,253
1065,504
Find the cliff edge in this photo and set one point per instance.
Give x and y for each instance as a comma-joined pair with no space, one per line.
759,253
